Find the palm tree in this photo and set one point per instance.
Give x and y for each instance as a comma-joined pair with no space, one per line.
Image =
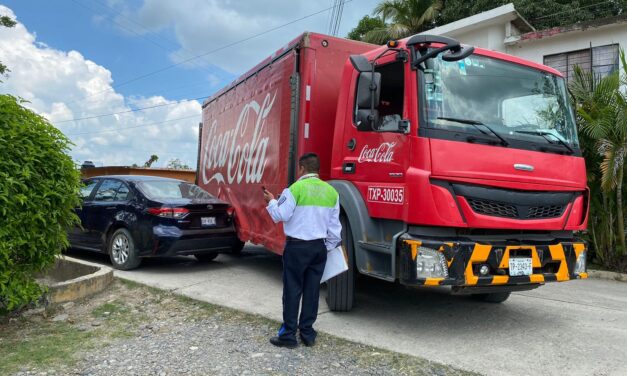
153,158
403,18
602,108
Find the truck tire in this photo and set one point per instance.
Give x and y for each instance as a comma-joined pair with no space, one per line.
493,297
121,249
341,289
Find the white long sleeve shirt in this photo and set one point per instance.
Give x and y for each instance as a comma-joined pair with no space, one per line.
309,209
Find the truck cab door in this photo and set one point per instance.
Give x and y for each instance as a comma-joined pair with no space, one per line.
375,158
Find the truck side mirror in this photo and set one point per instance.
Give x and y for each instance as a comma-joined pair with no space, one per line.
368,92
366,119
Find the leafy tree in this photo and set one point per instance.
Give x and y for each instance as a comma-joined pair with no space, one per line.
406,17
602,109
153,158
6,22
541,14
38,193
177,164
365,25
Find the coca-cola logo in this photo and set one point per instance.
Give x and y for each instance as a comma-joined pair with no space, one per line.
238,153
384,153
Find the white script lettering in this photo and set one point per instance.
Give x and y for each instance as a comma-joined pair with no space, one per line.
382,154
235,153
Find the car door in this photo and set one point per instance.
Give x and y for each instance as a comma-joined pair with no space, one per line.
103,209
77,235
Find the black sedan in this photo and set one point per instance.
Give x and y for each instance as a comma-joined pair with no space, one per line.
130,217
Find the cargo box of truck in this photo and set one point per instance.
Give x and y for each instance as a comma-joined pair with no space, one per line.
254,130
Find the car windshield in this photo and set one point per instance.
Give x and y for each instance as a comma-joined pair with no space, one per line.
514,101
156,190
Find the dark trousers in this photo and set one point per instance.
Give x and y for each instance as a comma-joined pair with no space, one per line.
303,264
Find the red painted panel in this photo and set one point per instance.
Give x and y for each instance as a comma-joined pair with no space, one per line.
482,162
245,147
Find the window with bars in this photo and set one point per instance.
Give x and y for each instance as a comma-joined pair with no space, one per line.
601,60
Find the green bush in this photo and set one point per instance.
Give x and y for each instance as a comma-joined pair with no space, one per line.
38,192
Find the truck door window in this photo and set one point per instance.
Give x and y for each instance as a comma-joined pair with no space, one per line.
391,97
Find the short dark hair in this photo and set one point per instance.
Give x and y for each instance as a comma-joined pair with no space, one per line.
310,162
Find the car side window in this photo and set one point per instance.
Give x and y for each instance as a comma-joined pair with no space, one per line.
87,187
123,193
107,190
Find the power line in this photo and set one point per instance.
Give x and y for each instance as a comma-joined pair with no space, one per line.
117,13
133,127
168,67
131,110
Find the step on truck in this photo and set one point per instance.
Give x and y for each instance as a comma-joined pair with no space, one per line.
456,166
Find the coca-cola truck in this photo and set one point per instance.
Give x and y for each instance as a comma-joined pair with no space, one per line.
456,166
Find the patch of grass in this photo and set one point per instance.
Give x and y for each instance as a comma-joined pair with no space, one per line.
44,346
114,308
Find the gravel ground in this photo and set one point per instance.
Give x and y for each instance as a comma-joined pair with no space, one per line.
141,331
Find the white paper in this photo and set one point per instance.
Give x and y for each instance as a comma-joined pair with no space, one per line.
336,264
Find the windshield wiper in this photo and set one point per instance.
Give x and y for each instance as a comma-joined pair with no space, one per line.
544,134
476,123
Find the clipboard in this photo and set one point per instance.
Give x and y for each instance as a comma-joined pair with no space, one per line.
336,264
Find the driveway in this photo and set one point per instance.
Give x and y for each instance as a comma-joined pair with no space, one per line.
574,328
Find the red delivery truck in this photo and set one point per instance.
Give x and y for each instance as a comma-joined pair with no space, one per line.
456,166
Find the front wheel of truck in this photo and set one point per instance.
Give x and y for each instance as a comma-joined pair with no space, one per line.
494,297
341,289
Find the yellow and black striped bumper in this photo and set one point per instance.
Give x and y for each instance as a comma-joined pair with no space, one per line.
550,262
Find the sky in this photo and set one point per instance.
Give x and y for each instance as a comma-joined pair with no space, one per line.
77,61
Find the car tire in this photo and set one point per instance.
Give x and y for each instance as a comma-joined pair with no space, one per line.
122,251
493,297
237,247
341,289
205,257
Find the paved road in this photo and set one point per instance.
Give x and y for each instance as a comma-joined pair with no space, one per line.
573,328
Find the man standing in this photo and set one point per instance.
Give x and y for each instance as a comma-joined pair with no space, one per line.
309,210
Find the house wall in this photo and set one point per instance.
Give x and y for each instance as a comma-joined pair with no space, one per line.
534,46
536,49
490,37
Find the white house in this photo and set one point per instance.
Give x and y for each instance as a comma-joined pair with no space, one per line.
592,45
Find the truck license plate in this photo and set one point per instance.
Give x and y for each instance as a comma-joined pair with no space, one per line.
520,266
208,221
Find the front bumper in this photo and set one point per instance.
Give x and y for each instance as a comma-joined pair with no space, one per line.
550,262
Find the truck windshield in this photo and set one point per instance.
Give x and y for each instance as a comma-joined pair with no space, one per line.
497,99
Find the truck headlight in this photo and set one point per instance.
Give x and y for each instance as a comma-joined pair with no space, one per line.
580,265
430,264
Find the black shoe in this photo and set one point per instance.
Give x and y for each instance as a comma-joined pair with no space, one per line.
277,341
306,342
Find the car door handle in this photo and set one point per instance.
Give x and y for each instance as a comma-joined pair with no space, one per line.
348,167
111,207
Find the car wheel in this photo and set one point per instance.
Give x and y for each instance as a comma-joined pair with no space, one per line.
122,250
205,257
237,247
341,289
493,297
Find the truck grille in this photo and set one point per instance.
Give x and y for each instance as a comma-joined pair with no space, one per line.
493,208
549,211
514,204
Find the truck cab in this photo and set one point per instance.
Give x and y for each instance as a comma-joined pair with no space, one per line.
457,166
